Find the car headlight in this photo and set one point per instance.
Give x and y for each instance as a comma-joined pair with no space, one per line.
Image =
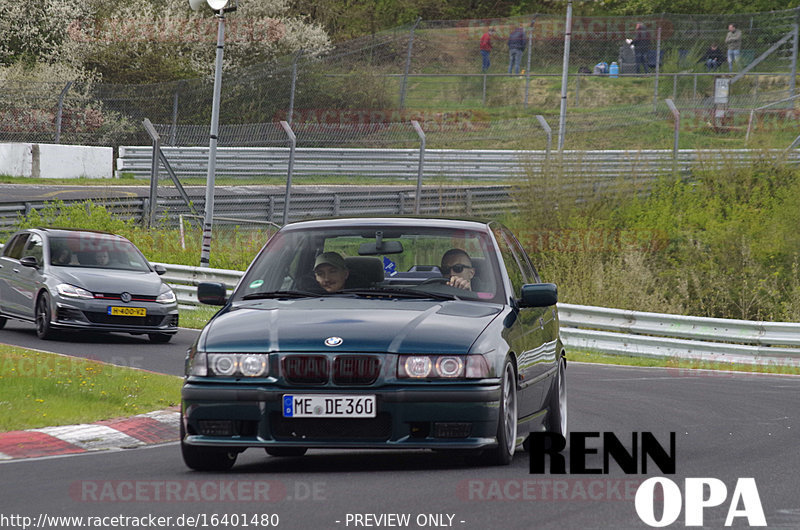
229,364
442,367
167,297
72,291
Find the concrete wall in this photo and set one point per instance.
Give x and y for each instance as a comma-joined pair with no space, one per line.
56,161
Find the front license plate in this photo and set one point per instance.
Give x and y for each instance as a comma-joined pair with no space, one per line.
328,406
127,311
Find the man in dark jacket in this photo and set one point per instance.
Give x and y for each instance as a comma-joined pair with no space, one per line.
641,47
713,57
516,45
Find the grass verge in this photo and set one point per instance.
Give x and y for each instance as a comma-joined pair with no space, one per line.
682,364
40,389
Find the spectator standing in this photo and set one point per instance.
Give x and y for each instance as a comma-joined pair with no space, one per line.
713,57
516,45
486,48
641,47
733,40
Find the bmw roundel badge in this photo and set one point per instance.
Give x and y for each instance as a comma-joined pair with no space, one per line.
333,341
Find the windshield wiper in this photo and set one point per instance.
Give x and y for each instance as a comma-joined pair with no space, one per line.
281,294
399,293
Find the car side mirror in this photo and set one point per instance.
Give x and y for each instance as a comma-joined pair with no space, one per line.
29,261
539,295
160,269
212,293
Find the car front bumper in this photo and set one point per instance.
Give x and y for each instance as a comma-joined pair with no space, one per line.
435,417
93,315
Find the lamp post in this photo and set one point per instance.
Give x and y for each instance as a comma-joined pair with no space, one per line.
219,6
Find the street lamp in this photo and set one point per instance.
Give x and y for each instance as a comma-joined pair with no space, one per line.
220,7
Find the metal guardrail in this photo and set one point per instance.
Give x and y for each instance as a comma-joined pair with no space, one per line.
612,331
643,334
267,205
242,162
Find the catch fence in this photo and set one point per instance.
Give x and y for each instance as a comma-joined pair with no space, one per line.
432,73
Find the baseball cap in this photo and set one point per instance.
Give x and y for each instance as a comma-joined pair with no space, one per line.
330,258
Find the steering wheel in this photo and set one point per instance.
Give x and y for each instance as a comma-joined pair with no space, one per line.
431,281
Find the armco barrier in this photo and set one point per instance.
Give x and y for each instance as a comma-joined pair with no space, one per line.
495,164
613,331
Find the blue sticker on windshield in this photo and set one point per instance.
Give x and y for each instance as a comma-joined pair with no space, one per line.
256,284
389,266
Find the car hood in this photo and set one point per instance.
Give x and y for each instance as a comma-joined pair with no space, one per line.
110,280
393,326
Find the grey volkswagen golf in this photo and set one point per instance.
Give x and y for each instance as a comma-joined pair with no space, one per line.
84,280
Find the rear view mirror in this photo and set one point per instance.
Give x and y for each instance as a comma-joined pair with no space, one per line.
386,247
212,293
539,295
160,269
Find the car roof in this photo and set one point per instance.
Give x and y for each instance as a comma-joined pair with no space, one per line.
70,231
373,222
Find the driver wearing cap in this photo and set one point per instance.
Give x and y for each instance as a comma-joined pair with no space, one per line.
330,271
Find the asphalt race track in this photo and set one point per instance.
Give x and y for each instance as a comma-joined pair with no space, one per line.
727,426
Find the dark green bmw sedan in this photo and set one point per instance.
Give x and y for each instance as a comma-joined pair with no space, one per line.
377,333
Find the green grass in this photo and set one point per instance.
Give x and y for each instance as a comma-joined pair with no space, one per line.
39,389
680,364
196,318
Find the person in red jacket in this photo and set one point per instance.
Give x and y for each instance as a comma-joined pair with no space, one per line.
486,48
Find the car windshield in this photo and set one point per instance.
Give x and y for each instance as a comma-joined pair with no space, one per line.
376,262
96,252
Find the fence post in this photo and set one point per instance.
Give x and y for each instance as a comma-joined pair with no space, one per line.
793,79
294,82
674,86
61,110
174,130
483,98
421,167
528,69
658,68
562,116
677,115
404,83
549,132
292,144
577,89
151,213
694,89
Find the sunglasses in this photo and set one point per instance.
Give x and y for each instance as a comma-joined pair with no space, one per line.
458,268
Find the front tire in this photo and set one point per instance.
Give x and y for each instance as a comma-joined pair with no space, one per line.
44,330
159,338
205,458
556,420
507,423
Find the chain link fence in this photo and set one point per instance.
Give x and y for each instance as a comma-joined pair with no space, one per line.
432,72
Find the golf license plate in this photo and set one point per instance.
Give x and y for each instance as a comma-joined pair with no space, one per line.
127,311
328,406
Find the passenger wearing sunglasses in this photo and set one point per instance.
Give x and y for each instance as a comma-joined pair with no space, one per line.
457,266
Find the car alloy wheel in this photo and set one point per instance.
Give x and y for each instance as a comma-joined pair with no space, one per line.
507,423
43,328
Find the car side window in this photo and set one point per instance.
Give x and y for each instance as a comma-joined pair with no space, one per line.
510,260
14,248
34,248
529,273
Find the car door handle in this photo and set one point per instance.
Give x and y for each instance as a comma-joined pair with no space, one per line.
16,270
